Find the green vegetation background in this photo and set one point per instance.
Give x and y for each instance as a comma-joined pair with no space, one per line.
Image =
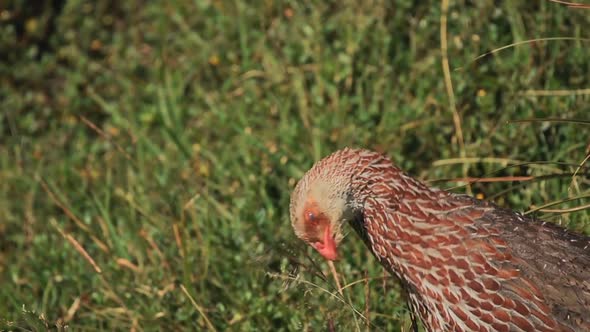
164,138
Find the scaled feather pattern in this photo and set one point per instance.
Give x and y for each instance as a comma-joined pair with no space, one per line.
467,264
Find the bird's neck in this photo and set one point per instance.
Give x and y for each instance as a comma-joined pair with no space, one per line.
400,221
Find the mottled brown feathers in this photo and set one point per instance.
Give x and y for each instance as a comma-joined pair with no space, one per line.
468,265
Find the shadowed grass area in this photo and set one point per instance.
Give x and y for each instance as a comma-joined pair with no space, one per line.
148,150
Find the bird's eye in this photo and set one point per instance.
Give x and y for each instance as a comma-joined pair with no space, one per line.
311,217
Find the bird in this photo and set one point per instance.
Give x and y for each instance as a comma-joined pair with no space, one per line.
465,264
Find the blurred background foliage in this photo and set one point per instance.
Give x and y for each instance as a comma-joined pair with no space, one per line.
160,141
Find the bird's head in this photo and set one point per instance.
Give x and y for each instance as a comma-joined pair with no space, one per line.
322,202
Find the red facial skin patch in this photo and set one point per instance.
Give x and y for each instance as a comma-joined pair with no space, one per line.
315,220
327,248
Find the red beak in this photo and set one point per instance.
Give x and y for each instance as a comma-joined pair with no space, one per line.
327,248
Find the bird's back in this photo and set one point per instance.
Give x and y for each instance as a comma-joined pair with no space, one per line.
471,265
554,260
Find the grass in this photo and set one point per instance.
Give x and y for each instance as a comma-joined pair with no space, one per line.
148,150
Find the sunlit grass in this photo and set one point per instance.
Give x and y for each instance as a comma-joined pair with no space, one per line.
148,151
